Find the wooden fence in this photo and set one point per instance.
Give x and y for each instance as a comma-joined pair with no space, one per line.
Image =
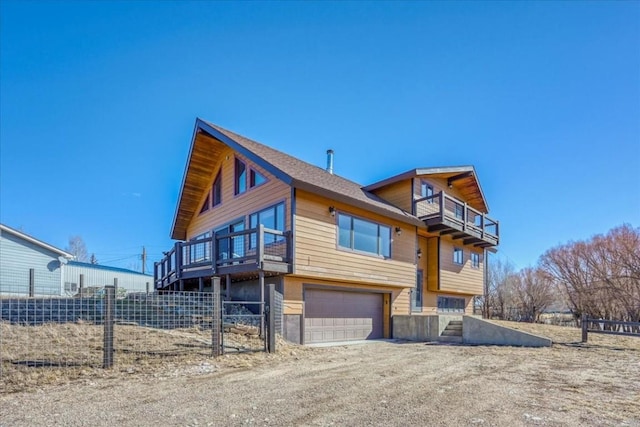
631,329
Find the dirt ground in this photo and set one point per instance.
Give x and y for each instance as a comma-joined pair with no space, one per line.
381,383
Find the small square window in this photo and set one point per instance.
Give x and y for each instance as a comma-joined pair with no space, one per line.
458,256
475,260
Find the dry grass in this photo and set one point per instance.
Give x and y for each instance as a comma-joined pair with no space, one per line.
58,353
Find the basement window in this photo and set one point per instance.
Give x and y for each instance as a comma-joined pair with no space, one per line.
450,305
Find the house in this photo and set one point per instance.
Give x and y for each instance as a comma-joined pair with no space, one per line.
347,258
31,267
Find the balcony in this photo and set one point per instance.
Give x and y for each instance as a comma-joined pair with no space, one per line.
444,214
241,255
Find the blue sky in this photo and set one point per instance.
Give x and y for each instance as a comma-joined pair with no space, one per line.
98,102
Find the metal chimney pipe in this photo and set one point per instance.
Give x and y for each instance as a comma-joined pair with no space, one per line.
330,161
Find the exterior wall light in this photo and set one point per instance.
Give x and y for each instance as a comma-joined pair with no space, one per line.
332,211
398,231
419,253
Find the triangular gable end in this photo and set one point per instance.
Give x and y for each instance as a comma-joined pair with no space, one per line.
207,145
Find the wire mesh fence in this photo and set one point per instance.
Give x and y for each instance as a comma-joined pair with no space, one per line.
41,335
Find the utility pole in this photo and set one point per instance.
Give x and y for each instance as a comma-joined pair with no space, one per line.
144,259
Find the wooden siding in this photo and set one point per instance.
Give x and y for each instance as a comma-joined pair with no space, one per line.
438,186
398,194
317,254
17,256
433,263
460,279
233,206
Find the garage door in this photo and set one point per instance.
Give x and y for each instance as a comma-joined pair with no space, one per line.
341,316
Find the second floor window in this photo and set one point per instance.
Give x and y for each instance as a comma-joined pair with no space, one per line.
475,260
256,178
240,175
364,236
217,190
458,256
426,190
271,218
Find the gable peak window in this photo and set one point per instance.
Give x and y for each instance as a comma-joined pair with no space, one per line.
240,174
205,205
256,178
217,189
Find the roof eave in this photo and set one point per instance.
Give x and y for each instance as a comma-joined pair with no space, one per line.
400,216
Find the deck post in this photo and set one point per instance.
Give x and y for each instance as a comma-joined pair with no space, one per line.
262,301
178,251
214,251
201,284
585,324
442,202
260,246
482,226
465,215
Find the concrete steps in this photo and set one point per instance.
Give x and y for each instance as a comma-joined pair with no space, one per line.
452,332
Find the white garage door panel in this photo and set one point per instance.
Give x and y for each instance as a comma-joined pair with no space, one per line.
341,316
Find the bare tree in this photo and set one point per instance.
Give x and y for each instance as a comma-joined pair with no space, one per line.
533,293
499,294
77,248
600,276
93,259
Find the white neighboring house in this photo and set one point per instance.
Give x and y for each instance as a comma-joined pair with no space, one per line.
31,267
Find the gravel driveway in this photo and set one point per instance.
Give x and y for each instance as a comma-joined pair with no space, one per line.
381,383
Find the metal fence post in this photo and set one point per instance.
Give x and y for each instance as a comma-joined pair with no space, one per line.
271,325
216,318
32,282
109,310
584,324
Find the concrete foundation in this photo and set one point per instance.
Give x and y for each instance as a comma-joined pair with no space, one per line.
478,331
474,331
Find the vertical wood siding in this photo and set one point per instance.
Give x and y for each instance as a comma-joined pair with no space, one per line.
236,207
433,267
17,256
317,253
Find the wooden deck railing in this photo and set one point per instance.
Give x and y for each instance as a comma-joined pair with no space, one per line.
443,207
222,253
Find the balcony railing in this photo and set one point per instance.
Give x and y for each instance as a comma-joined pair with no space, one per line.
225,253
446,214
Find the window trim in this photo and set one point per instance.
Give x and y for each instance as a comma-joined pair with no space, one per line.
428,185
253,171
252,242
456,250
205,205
450,310
475,260
237,178
419,291
216,181
352,237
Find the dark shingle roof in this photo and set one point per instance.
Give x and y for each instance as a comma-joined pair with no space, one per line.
308,177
